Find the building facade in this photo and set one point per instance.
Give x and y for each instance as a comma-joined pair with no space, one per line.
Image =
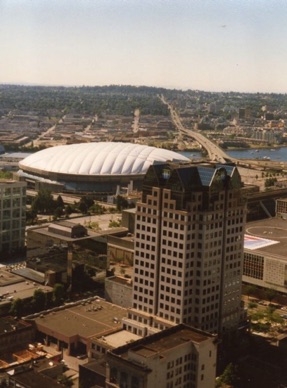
265,263
188,249
14,334
177,357
118,290
281,208
12,216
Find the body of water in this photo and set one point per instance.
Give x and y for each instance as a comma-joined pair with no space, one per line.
276,154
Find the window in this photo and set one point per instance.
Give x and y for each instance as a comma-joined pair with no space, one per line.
134,382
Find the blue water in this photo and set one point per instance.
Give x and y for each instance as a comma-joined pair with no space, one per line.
274,154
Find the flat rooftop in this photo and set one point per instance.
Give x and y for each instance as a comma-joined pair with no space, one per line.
13,286
268,236
7,278
30,274
95,366
117,339
88,318
32,379
120,280
164,341
44,230
9,324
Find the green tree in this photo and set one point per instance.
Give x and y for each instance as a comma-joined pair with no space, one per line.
121,203
43,202
39,300
229,376
85,203
87,200
17,308
31,216
65,380
257,315
270,294
94,226
270,182
114,224
59,294
60,202
249,290
58,212
83,207
68,210
272,315
97,208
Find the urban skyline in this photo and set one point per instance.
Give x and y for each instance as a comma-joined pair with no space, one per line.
206,45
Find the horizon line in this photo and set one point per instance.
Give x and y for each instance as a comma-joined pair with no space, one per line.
135,86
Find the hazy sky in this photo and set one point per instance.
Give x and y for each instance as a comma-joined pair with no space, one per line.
217,45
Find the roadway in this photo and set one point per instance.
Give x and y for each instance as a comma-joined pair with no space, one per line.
215,153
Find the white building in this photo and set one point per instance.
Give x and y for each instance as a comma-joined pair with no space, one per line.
265,263
181,357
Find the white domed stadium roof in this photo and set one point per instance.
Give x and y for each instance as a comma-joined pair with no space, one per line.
98,159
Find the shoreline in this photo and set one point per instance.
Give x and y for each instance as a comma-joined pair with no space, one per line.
275,147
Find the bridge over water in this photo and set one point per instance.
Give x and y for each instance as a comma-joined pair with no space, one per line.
215,153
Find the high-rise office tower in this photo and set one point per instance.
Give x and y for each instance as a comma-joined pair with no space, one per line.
12,217
188,249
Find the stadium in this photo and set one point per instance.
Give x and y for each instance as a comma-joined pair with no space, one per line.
92,167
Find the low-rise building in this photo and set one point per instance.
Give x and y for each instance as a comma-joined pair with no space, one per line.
281,208
42,373
53,249
265,263
19,283
14,334
100,344
179,356
120,250
60,248
73,326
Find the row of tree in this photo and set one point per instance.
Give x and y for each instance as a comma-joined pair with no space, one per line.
40,301
44,203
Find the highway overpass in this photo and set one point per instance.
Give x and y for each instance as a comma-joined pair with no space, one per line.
215,153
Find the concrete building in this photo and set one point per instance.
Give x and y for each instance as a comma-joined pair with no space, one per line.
14,334
55,248
177,357
265,263
118,290
120,250
12,217
38,373
100,344
72,326
188,249
281,208
128,219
